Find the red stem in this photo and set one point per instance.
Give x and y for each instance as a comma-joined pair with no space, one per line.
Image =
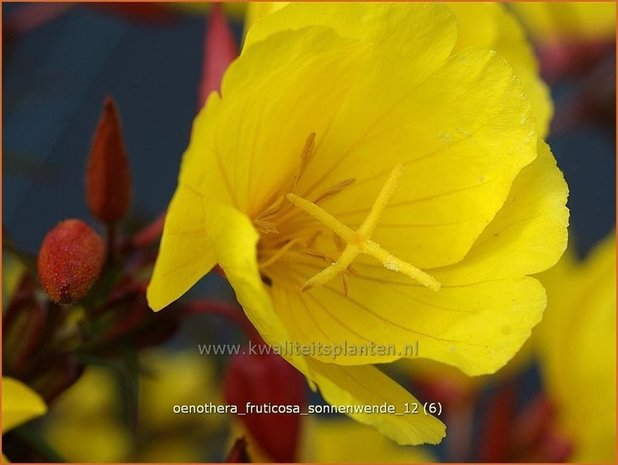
149,234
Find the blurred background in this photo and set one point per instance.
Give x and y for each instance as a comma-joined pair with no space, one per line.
60,62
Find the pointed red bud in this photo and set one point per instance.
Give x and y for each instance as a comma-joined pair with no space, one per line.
220,50
70,260
108,176
264,379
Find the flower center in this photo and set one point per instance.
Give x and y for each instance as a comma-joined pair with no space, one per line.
359,241
349,243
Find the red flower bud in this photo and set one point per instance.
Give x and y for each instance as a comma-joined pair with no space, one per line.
220,50
108,177
70,260
263,379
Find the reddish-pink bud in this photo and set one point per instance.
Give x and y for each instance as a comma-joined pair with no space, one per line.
264,379
108,177
220,50
70,260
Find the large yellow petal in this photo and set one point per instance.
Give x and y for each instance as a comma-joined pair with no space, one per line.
234,240
492,26
414,36
258,10
366,385
19,404
185,254
482,25
477,328
529,233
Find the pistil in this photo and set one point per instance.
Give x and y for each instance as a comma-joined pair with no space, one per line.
359,241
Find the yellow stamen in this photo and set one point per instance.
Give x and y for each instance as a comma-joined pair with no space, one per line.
334,190
334,270
277,255
307,153
314,238
280,204
359,241
266,227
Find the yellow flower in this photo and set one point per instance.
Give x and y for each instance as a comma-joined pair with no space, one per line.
568,20
360,182
577,342
436,372
20,404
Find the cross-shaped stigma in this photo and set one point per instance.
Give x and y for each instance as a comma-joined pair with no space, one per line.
359,241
